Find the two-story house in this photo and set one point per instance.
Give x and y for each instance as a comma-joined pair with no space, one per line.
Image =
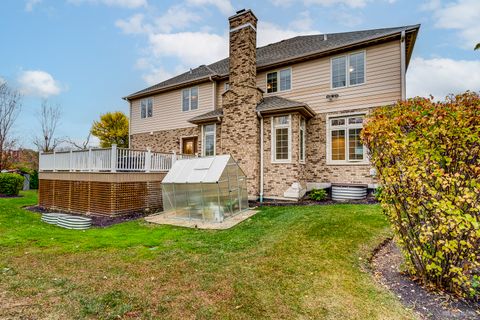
290,112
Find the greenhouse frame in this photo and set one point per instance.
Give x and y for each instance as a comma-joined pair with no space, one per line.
209,189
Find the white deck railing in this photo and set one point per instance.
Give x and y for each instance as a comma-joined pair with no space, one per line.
108,160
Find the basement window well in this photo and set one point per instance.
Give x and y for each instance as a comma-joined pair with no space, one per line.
208,189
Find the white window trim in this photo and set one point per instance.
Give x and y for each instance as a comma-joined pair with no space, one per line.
225,89
278,81
214,140
146,108
347,74
304,134
190,99
273,138
365,160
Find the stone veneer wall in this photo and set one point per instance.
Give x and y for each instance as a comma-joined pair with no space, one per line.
278,177
317,169
164,141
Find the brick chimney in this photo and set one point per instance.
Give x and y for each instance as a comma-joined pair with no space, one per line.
240,125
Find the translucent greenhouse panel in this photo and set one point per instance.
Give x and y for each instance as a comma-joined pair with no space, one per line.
212,209
225,201
168,198
195,200
181,200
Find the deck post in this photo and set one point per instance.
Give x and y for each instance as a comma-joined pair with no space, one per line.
113,158
89,160
70,164
148,160
54,164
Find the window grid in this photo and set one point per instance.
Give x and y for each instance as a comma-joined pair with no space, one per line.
279,80
190,99
281,138
345,142
146,108
209,140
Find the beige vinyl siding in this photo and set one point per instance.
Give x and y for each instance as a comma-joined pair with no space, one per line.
311,82
167,110
220,91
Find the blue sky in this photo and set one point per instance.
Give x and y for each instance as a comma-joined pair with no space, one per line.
87,54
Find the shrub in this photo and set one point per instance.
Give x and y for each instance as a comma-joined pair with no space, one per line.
427,155
34,180
318,194
10,183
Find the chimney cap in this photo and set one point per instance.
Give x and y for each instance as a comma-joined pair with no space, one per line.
242,12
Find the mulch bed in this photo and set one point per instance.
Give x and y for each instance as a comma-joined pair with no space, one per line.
386,264
97,221
305,201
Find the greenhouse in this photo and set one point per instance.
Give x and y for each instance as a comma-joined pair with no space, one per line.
210,189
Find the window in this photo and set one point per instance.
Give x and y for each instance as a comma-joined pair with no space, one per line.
344,140
209,140
281,132
302,140
279,80
146,106
348,70
227,86
190,99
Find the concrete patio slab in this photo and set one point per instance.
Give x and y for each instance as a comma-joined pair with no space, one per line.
162,218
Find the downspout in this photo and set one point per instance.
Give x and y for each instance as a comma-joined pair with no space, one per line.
403,65
261,156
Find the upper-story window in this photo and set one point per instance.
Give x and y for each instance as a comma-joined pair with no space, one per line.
344,143
190,99
281,139
348,70
226,86
146,108
280,80
209,140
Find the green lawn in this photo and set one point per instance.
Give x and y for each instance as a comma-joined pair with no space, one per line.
284,263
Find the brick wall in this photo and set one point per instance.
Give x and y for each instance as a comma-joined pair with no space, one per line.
164,141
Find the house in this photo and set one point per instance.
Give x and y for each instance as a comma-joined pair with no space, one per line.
290,112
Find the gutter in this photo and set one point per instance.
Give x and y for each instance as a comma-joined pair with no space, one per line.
261,156
403,65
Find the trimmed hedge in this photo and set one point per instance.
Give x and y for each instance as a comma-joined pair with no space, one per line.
427,155
11,184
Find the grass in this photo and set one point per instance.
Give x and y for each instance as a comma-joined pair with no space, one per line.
283,263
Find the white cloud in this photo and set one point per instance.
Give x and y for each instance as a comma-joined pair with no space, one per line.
191,48
156,75
440,77
114,3
225,6
461,15
132,25
38,83
30,4
269,33
324,3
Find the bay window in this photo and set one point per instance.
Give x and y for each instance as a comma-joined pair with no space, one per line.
281,139
343,140
209,140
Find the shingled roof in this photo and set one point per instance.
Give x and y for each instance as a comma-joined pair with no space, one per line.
290,50
268,105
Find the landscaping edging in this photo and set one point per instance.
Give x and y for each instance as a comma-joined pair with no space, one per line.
385,264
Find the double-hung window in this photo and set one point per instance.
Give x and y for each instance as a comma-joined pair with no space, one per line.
190,99
146,108
281,139
279,80
344,143
209,140
301,142
348,70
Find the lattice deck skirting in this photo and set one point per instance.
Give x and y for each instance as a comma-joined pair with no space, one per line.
108,194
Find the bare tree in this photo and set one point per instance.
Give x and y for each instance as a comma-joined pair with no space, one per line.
10,105
80,145
48,118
